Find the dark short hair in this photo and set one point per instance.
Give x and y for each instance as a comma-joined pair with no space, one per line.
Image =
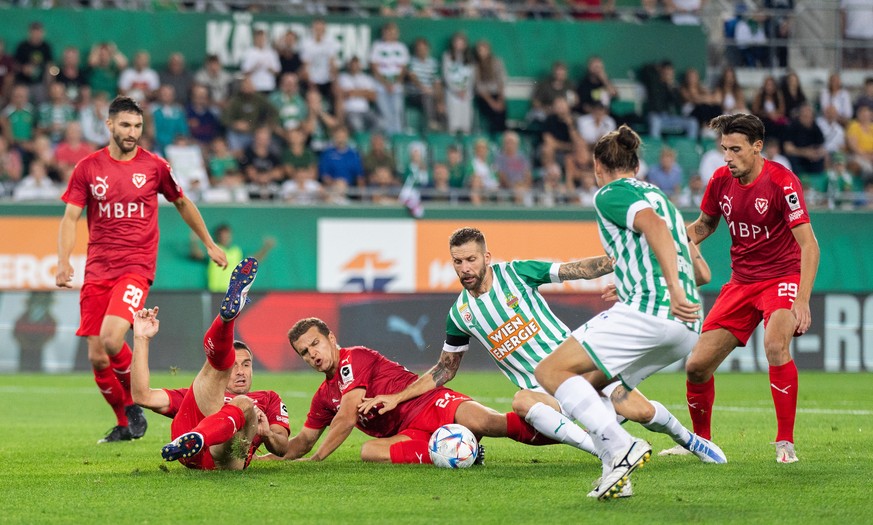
741,123
302,326
239,345
462,236
124,105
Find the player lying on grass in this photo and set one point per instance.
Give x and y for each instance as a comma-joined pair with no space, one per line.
218,422
352,374
502,300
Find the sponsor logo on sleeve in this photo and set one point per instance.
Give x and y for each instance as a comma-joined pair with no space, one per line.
346,374
793,200
793,216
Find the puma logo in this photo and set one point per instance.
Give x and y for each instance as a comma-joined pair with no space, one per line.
785,391
414,331
563,421
420,457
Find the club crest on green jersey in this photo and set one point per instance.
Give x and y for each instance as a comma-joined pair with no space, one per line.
512,301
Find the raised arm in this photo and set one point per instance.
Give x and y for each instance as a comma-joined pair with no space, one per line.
342,424
809,259
659,238
66,241
588,268
145,327
191,215
701,228
440,374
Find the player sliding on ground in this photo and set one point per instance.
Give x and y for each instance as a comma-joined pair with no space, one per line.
218,423
504,298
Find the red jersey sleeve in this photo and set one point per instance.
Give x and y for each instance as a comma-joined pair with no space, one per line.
794,205
709,205
356,368
277,413
77,188
167,185
321,411
176,396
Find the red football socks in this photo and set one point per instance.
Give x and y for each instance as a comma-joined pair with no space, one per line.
221,426
700,398
410,451
113,392
120,365
783,387
519,430
218,344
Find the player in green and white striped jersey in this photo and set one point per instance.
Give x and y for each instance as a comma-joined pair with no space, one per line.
656,321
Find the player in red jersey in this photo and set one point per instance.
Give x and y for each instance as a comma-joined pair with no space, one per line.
119,185
218,422
774,259
356,373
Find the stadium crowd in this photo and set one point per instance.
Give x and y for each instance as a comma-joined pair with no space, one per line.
293,124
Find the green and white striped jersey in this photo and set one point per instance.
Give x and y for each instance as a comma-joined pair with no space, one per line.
639,280
512,320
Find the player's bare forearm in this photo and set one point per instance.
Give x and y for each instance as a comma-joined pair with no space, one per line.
445,370
276,440
302,443
191,215
809,259
702,228
702,273
66,242
141,392
340,429
588,268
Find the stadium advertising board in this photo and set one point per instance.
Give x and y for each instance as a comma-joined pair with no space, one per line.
29,253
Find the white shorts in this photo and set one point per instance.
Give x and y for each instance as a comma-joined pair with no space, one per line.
631,345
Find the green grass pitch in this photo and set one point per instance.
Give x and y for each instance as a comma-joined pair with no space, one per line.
53,472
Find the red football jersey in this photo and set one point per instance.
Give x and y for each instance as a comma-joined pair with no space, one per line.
122,202
267,400
760,217
360,367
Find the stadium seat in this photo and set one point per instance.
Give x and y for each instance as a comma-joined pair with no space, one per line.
651,150
687,154
362,142
438,144
400,147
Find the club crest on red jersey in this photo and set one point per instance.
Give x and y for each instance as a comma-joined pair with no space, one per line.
139,180
761,205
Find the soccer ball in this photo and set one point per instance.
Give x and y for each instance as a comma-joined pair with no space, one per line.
453,446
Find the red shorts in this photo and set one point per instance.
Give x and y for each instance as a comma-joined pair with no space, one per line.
188,417
121,297
740,308
441,411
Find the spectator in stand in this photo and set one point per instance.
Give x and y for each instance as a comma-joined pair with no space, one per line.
139,81
595,124
551,181
189,166
540,9
424,85
168,118
71,150
729,93
650,10
859,142
865,98
93,117
358,92
773,151
804,144
833,131
458,78
246,110
481,176
592,9
319,121
546,91
665,104
793,93
751,39
779,25
388,61
297,156
36,186
44,151
494,9
692,195
405,8
711,160
289,54
223,166
216,79
204,120
455,165
105,63
587,188
260,62
698,101
177,75
576,165
857,22
341,163
320,56
440,189
303,187
8,67
378,155
594,86
18,119
834,94
514,169
382,186
490,88
769,106
261,166
71,74
559,131
55,113
289,103
416,170
667,174
684,12
11,167
34,57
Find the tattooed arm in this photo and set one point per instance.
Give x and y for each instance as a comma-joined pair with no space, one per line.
588,268
701,228
437,376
